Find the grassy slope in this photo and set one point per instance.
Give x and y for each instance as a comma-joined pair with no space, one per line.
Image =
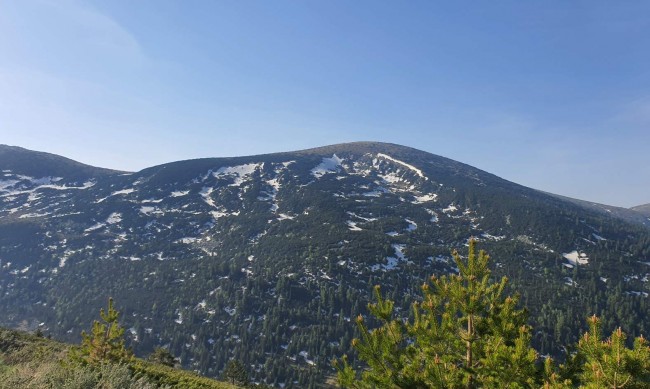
29,361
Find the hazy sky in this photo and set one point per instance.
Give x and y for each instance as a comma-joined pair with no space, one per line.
554,95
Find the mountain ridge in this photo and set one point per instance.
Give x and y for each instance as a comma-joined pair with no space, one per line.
46,164
356,146
6,152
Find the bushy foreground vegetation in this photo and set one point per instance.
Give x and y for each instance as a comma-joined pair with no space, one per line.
102,361
464,333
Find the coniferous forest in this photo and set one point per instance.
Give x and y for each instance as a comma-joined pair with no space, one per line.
267,261
462,333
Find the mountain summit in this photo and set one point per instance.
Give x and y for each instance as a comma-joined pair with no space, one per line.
266,258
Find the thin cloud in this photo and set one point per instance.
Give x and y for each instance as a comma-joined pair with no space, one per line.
98,29
46,32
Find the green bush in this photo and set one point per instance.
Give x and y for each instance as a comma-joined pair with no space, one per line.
32,362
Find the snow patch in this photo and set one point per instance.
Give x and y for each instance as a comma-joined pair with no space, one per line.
239,172
147,209
493,237
123,192
434,216
392,262
30,215
425,198
113,218
376,193
390,178
450,208
151,201
180,193
95,227
412,226
305,355
368,219
4,184
569,281
439,258
353,226
205,193
328,165
576,258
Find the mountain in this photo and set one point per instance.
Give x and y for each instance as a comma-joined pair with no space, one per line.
642,209
266,258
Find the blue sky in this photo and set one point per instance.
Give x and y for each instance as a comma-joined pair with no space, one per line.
553,95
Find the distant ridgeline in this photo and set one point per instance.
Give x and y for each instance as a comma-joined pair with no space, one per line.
267,259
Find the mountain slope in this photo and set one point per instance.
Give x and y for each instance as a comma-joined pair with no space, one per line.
270,256
643,209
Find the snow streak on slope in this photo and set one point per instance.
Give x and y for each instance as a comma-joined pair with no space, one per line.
43,183
205,193
179,193
416,170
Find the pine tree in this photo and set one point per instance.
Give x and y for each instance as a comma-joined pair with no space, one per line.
609,364
235,373
552,377
162,356
463,332
105,343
